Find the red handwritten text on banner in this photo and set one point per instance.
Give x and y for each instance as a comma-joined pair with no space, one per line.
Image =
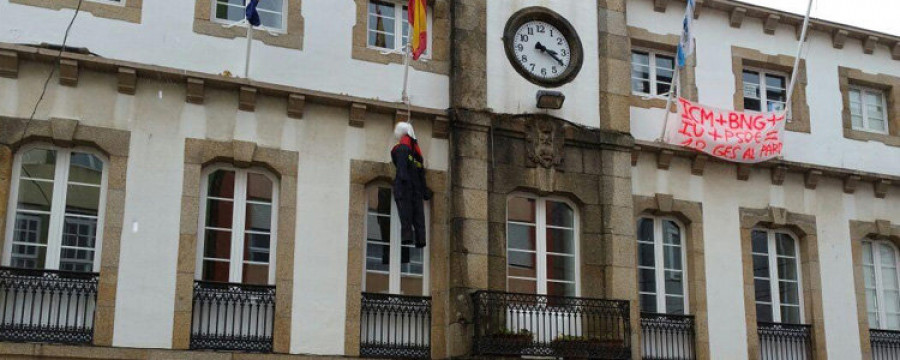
744,137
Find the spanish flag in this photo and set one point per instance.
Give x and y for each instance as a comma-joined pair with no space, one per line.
418,26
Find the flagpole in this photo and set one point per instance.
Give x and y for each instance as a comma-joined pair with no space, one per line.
680,62
672,88
790,90
249,47
405,96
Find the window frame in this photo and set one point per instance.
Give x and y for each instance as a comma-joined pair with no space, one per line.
540,251
659,258
764,97
863,90
236,261
284,18
774,279
398,28
57,214
396,247
880,311
651,53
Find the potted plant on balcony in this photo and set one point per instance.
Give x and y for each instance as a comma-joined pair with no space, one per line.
511,341
574,346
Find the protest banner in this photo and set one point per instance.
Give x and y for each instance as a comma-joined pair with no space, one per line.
744,137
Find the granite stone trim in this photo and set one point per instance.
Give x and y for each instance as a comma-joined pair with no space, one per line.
130,11
283,164
690,214
859,231
743,57
614,61
849,77
803,227
667,44
362,175
114,144
291,38
439,42
468,78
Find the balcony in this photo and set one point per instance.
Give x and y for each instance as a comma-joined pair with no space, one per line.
779,341
395,326
511,324
667,337
229,316
47,306
885,344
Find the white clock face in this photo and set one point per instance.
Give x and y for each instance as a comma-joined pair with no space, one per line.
541,50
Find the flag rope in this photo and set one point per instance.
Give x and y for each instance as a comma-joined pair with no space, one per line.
790,90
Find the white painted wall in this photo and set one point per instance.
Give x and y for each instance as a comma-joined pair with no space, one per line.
508,92
715,82
722,194
165,37
159,121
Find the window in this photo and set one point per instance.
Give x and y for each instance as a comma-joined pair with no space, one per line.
391,267
651,73
764,91
776,277
881,280
58,213
238,227
542,247
867,110
383,26
661,262
271,12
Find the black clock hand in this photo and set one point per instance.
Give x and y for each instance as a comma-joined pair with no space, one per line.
552,53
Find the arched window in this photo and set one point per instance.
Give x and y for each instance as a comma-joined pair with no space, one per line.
390,266
56,220
238,227
661,266
541,247
881,280
776,277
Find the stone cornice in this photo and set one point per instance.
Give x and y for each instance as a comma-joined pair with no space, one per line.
154,72
812,172
737,11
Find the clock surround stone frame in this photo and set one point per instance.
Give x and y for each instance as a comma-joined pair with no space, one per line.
538,13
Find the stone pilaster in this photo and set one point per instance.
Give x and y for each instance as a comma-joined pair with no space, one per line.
615,65
468,67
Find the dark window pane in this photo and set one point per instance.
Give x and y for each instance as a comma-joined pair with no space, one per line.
522,264
671,233
378,228
259,188
672,256
560,268
640,86
217,244
760,242
521,286
39,164
256,274
28,257
776,95
560,289
648,303
790,314
776,81
521,209
258,217
789,293
645,230
764,312
662,88
787,268
751,77
85,168
646,255
256,247
665,62
521,237
560,214
76,260
785,245
31,228
674,283
641,58
79,232
561,241
378,257
647,280
215,271
379,200
82,200
762,289
35,195
761,266
219,213
752,104
674,305
221,184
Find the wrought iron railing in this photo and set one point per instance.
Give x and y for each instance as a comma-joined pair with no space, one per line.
47,306
778,341
539,325
667,337
395,326
229,316
885,344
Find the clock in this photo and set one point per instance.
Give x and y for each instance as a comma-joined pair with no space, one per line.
543,47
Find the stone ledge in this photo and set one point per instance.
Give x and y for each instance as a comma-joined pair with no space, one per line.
56,351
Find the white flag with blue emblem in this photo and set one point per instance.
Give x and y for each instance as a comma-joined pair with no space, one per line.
686,46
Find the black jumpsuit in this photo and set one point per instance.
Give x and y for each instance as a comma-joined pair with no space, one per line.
410,191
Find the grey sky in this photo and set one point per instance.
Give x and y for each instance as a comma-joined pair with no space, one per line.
877,15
